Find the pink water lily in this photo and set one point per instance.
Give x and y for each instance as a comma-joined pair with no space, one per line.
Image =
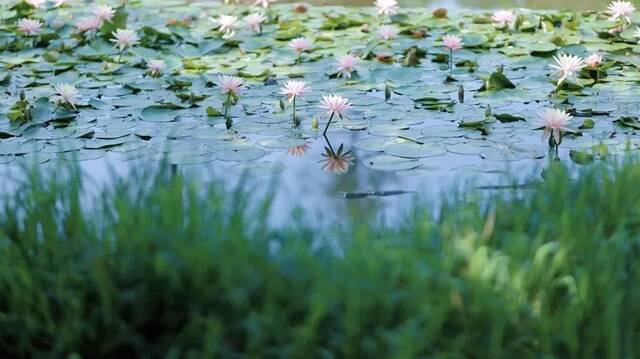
555,123
452,42
294,89
104,12
346,65
230,84
594,60
88,24
254,21
504,18
387,32
334,104
300,45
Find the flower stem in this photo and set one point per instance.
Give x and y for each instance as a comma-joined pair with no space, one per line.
328,123
295,120
227,121
450,61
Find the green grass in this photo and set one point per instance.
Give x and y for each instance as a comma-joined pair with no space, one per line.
158,266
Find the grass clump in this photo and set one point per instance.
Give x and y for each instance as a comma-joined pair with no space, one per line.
159,266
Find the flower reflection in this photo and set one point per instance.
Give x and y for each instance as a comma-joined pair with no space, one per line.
298,151
336,162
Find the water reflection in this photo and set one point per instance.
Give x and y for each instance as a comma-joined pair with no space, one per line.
336,161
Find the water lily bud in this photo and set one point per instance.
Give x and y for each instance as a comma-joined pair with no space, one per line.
314,123
487,112
281,103
461,94
440,13
387,92
300,9
22,96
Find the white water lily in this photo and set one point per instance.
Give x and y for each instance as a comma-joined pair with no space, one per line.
387,7
568,67
123,38
554,122
29,26
155,67
264,3
66,95
621,10
228,25
36,3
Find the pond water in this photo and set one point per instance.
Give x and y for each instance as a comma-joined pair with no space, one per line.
416,127
580,5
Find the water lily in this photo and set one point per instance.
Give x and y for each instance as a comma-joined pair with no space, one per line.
504,18
336,162
88,24
294,89
593,61
555,123
66,95
36,3
29,26
231,86
155,67
264,3
254,21
568,67
387,32
387,7
452,42
227,26
124,39
334,105
346,65
104,12
620,10
300,45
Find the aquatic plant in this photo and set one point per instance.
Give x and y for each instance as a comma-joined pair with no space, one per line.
294,90
161,265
